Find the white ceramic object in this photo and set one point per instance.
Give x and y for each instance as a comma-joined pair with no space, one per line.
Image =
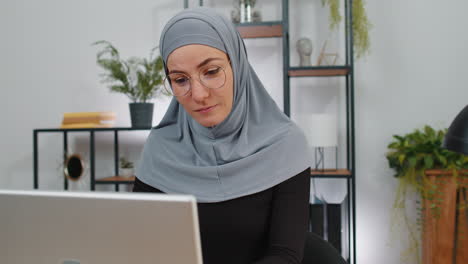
304,48
126,172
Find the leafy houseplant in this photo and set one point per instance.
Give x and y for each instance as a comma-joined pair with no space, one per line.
360,24
412,156
139,79
125,164
126,167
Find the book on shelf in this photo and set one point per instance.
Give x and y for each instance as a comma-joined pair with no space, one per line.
85,125
88,120
88,117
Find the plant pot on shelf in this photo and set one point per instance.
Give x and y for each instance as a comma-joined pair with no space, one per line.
141,114
126,172
444,236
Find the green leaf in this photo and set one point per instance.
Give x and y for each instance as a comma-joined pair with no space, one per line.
428,162
399,138
412,161
406,143
443,160
429,131
401,158
138,78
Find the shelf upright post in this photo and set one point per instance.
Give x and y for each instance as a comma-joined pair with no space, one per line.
116,156
286,90
92,159
348,63
35,160
353,147
350,131
348,134
349,204
185,4
65,157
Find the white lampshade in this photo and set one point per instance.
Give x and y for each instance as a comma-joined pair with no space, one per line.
329,190
320,129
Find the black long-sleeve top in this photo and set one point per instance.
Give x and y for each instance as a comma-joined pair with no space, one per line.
268,227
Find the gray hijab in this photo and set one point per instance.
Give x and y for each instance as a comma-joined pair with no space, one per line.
256,147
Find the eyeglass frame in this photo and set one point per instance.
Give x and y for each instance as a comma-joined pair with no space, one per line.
190,78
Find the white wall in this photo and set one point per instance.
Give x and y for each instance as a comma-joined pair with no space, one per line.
415,75
48,67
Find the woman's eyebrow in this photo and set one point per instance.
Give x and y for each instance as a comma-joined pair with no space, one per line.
203,63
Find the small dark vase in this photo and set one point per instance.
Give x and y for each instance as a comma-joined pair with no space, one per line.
141,114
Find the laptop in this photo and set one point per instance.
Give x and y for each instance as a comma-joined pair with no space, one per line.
53,227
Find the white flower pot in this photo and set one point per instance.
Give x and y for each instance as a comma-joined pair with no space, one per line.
126,172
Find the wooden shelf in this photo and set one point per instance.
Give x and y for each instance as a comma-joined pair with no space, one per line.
325,71
116,180
90,129
435,172
340,173
260,30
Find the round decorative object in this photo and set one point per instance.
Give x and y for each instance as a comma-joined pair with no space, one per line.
74,167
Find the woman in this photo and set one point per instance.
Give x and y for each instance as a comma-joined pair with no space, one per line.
224,140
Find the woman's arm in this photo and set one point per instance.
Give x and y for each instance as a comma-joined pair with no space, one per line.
289,221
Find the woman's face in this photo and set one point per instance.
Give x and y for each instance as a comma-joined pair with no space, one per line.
209,107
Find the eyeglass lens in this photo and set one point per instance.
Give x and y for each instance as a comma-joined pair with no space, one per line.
211,77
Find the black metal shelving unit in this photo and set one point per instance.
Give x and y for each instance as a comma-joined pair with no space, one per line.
280,29
115,180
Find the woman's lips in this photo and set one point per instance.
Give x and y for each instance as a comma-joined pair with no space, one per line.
206,109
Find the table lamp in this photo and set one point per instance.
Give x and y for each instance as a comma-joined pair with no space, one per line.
321,132
456,138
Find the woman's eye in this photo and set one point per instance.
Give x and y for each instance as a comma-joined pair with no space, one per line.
180,80
212,71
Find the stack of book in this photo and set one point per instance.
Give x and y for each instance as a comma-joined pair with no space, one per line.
88,120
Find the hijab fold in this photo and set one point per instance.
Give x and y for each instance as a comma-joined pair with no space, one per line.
256,147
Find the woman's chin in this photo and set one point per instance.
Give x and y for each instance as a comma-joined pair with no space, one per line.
208,121
211,118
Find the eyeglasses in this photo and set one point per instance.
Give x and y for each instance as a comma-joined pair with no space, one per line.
179,84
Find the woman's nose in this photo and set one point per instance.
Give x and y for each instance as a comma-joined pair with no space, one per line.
199,91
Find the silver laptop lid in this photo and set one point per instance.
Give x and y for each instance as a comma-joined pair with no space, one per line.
90,227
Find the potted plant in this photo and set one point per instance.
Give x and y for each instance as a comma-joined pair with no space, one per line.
139,79
126,167
360,24
421,164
